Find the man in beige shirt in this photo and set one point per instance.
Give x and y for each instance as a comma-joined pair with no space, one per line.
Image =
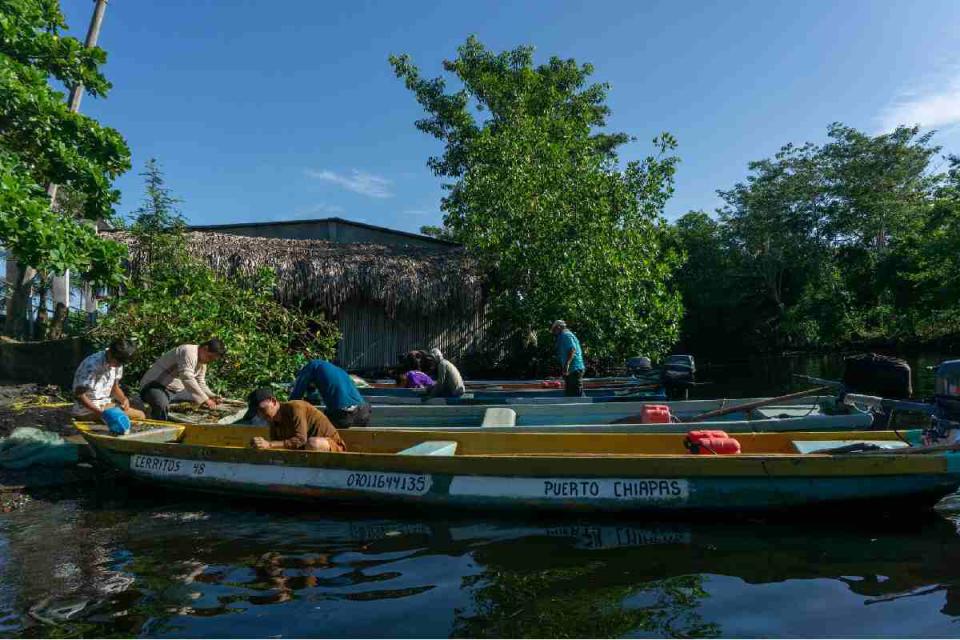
180,375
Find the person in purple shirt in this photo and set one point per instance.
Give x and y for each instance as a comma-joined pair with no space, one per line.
414,379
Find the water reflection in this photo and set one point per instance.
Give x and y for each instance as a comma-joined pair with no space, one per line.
146,567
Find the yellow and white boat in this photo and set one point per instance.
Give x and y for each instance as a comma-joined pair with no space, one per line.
589,471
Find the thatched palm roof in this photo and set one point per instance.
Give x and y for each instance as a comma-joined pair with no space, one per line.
327,274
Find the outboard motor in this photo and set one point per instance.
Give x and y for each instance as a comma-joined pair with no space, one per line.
945,421
639,365
678,375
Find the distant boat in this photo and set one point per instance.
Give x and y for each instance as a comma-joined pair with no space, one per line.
817,413
599,472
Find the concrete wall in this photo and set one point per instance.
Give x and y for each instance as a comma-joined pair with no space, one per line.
50,362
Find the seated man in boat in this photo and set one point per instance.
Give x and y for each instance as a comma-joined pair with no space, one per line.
96,383
294,425
180,375
342,401
449,382
570,356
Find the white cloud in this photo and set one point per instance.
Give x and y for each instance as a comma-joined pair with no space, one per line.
361,182
933,107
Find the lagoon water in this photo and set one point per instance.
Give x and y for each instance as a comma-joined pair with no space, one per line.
136,562
166,566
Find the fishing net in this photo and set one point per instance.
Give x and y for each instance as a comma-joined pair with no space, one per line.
28,446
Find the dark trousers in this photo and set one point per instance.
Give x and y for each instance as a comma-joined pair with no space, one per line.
157,399
359,417
573,384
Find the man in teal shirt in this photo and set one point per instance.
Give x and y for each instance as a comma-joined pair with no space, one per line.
571,358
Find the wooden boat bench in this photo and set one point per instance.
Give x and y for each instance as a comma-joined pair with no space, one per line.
813,446
499,417
431,448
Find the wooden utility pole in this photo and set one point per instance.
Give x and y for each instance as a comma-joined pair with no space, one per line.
76,92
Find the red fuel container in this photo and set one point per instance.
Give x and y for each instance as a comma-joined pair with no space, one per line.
655,414
711,443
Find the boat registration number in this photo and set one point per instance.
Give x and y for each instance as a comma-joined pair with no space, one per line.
156,465
624,489
278,475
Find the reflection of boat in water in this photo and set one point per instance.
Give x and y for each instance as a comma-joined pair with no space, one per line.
199,568
521,575
569,471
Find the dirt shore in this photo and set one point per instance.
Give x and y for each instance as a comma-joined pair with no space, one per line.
31,405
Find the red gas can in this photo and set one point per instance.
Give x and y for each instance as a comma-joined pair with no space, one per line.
711,443
655,414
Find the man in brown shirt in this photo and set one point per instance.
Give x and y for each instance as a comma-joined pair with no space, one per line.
295,425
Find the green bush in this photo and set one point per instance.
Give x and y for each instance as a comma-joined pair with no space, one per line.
189,303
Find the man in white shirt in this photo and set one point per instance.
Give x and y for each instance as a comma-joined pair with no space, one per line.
180,375
96,384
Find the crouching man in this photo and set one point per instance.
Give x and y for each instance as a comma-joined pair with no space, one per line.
294,425
96,384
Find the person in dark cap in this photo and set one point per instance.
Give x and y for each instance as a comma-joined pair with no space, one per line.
570,356
294,425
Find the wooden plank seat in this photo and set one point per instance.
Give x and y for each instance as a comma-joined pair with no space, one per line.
431,448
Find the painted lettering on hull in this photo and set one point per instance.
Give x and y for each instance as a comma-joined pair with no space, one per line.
652,490
413,484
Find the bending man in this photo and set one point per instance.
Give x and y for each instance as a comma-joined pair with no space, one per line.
180,375
449,381
294,425
342,401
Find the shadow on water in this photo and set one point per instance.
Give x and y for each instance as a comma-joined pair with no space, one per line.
165,566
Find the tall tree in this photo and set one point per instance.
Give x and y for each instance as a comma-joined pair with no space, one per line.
42,142
535,191
819,242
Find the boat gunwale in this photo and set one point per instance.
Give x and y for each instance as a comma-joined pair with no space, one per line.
560,465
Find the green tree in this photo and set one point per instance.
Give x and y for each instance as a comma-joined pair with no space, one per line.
42,142
158,223
817,241
535,192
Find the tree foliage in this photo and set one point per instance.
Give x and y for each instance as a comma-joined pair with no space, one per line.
174,298
536,193
42,142
825,245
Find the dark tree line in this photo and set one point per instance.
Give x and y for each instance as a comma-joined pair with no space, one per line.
851,242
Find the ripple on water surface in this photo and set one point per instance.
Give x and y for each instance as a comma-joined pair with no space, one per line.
139,567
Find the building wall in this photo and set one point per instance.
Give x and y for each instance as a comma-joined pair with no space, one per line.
330,230
371,341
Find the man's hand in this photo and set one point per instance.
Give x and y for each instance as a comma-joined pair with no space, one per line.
260,443
211,403
125,404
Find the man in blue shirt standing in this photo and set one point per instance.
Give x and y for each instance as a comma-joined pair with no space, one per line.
570,357
344,405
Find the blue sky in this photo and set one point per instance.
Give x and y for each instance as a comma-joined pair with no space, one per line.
286,109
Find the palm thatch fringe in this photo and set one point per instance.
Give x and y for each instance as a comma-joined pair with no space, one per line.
326,275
